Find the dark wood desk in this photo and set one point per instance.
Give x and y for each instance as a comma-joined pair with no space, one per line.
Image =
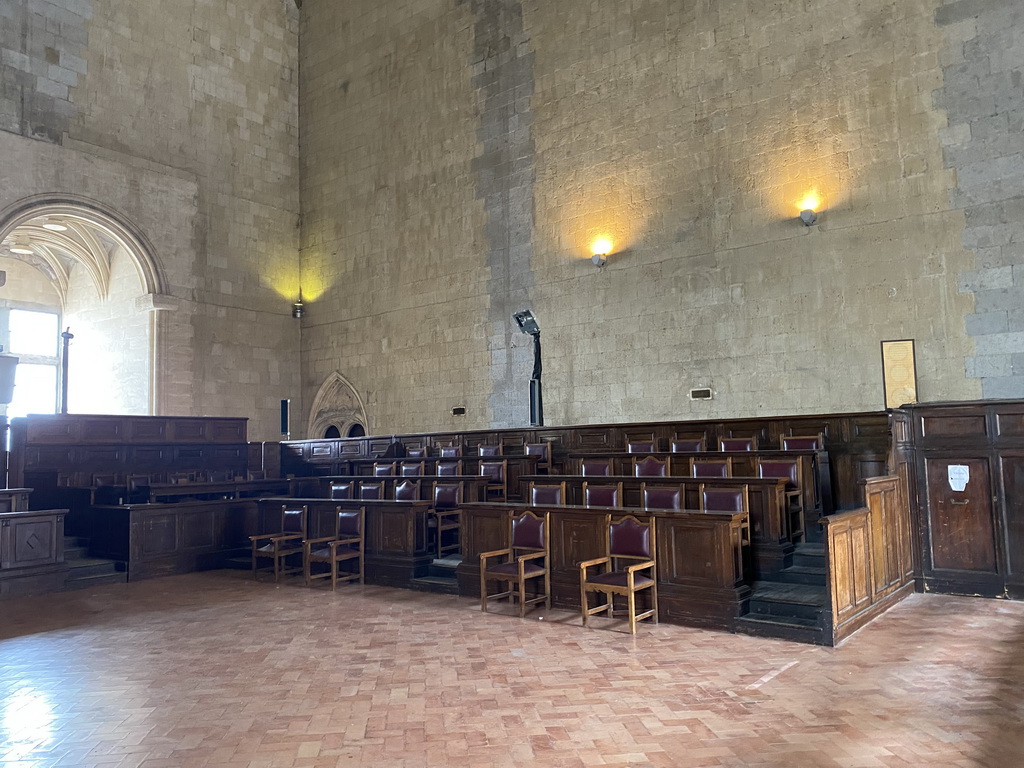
226,489
702,576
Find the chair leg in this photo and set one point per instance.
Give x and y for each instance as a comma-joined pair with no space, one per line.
522,598
277,567
483,590
306,570
254,561
583,601
631,605
335,565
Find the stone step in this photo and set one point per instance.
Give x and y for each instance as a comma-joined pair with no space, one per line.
810,556
75,553
86,567
802,574
436,584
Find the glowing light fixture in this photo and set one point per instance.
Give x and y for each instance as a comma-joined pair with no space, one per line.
21,245
55,226
601,248
298,308
809,206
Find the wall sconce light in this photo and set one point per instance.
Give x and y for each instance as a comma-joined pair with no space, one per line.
808,217
601,248
21,245
298,308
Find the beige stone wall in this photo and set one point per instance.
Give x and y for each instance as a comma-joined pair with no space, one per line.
27,285
180,118
459,161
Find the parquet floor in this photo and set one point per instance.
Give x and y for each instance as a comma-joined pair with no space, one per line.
217,670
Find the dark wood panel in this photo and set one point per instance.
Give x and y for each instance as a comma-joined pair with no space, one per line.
942,425
158,534
963,535
147,430
188,430
1011,476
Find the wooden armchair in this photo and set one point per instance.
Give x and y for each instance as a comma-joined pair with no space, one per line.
790,471
651,466
371,491
496,472
641,446
711,467
627,568
412,468
407,490
726,499
281,544
601,495
488,450
595,467
138,489
446,517
525,558
449,468
346,545
450,452
384,468
416,453
543,453
547,493
342,490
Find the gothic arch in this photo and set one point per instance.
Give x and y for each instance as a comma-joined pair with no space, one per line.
338,404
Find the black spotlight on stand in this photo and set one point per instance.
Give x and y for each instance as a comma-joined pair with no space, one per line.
528,324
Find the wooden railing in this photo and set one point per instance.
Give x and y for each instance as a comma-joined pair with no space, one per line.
870,563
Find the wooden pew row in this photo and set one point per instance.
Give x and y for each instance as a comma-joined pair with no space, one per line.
474,488
702,579
770,529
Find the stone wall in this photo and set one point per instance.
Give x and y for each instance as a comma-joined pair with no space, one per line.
460,157
180,118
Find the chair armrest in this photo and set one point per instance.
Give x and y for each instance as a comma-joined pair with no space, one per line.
285,536
335,543
596,561
320,539
259,536
639,566
494,553
531,556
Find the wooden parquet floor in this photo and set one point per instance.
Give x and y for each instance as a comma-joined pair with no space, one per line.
215,670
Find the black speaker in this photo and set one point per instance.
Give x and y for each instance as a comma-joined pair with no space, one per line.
285,426
536,404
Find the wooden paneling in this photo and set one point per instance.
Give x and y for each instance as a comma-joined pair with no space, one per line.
959,426
32,552
963,531
1011,477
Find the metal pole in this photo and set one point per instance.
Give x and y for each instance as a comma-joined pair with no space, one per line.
536,398
67,336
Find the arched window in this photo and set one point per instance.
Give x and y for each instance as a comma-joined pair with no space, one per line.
332,431
356,430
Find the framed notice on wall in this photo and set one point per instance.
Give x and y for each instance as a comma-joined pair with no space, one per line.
899,373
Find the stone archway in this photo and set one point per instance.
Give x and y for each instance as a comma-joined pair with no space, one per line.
78,242
337,404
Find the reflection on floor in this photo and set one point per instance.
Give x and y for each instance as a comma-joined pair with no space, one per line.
216,670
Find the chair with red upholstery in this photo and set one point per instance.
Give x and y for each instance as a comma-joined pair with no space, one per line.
450,451
601,495
448,468
412,468
595,467
790,471
384,468
342,489
416,453
726,499
737,444
371,491
641,446
650,466
345,546
688,445
488,450
661,497
543,453
281,544
407,490
496,472
446,517
708,467
802,442
542,494
525,558
628,568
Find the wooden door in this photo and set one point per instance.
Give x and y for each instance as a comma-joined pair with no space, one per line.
962,524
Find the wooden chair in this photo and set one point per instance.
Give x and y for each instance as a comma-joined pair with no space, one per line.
383,469
341,490
412,468
650,466
138,489
450,452
448,468
496,472
416,453
737,444
345,545
595,467
446,516
790,471
547,493
543,453
629,552
661,497
726,499
688,445
371,491
281,544
641,446
407,490
179,478
802,442
601,495
711,467
105,490
525,558
256,474
488,450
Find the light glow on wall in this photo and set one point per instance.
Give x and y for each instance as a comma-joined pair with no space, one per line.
812,201
602,246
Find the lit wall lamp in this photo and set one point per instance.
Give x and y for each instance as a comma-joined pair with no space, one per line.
809,208
601,248
298,308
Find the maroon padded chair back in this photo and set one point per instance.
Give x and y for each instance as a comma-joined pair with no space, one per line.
383,470
447,468
663,498
801,443
450,452
488,450
293,520
640,446
371,491
347,524
407,490
547,494
538,449
601,496
341,491
709,468
723,499
493,470
411,468
528,531
416,453
687,445
595,467
649,466
738,444
447,495
779,469
629,538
